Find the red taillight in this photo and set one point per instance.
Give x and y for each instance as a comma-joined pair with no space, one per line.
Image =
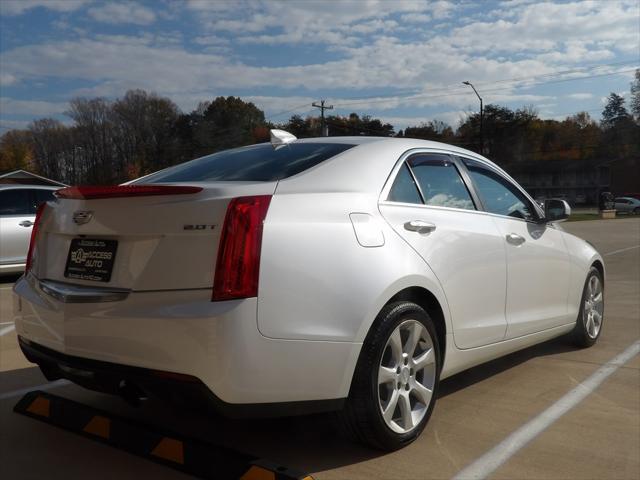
34,236
238,264
116,191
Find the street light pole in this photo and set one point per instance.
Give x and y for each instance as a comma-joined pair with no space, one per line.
481,116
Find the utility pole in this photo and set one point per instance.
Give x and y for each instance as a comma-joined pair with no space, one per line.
481,133
322,107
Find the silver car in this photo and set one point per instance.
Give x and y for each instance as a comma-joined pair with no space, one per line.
627,205
18,205
342,273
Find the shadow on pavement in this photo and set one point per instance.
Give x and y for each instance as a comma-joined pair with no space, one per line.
307,443
482,372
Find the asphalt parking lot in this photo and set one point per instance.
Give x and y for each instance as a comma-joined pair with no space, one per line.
477,409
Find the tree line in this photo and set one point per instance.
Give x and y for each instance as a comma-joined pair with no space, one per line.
111,141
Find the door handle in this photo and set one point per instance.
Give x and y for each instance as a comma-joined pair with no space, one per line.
26,223
515,239
419,226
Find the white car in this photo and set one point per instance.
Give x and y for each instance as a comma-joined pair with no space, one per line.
18,205
627,205
346,274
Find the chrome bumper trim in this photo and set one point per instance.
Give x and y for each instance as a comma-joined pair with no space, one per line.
67,293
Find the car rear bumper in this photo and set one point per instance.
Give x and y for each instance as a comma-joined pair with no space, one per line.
184,333
134,383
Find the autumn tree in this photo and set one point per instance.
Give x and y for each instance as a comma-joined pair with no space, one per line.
435,130
143,128
16,151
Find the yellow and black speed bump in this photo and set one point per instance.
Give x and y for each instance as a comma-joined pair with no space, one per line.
192,456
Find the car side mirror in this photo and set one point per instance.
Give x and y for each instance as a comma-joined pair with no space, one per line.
556,210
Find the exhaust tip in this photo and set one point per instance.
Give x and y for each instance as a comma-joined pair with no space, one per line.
131,393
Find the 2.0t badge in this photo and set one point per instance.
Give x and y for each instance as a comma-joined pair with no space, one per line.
81,217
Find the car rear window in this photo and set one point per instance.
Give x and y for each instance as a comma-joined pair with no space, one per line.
256,163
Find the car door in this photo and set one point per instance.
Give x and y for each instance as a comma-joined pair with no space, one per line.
16,220
622,205
429,205
538,268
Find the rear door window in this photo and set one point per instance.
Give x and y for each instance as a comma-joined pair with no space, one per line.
15,202
440,182
256,163
404,189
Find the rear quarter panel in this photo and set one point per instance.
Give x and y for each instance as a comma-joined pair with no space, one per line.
317,282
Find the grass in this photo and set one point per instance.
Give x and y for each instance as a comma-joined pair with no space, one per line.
578,217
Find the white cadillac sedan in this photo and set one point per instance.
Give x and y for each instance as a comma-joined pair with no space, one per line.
348,274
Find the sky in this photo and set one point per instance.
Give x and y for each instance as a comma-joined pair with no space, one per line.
402,61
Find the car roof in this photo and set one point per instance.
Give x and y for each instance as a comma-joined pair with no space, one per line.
400,143
366,167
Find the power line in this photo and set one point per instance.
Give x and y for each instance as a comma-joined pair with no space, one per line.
286,111
322,108
459,91
513,79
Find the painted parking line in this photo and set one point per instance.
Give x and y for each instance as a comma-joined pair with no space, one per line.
498,455
621,250
7,329
24,391
6,288
6,323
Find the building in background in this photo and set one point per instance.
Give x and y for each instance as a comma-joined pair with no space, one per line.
579,183
27,178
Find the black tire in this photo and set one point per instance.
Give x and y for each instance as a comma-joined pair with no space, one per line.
580,335
362,416
636,211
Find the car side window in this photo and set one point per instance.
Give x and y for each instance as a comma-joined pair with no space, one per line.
39,197
14,202
404,189
440,182
499,195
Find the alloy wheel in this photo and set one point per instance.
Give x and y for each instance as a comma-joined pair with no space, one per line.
593,307
406,376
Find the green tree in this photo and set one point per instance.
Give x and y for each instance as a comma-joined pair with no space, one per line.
614,111
354,125
298,126
226,123
435,130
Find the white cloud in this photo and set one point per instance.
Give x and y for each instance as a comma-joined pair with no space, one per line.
311,21
415,18
18,7
10,106
6,125
125,12
545,27
580,96
7,79
212,40
375,45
